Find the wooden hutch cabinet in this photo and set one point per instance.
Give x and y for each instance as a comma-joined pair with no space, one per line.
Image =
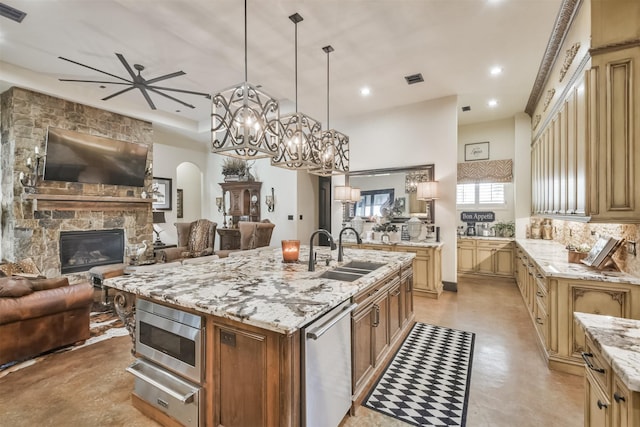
243,203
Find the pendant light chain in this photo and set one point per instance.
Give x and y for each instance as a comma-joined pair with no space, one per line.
246,73
296,60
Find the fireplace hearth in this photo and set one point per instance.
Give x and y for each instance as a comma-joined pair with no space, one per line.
82,250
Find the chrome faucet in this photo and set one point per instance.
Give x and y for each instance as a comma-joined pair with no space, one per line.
358,239
312,265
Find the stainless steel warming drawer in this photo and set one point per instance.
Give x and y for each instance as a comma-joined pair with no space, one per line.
167,392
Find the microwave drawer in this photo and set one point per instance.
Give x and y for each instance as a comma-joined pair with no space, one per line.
167,392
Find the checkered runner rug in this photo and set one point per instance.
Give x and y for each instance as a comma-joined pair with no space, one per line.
427,381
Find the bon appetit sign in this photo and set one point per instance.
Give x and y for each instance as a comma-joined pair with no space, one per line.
478,216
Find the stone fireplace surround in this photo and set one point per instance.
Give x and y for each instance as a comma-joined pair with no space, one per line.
31,223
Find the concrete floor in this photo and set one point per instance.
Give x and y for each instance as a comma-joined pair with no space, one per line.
510,384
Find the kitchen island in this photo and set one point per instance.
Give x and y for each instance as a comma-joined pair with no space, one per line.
254,307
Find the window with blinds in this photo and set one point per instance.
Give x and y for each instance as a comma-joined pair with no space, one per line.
480,194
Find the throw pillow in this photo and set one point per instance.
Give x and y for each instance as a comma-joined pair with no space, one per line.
14,287
199,238
26,268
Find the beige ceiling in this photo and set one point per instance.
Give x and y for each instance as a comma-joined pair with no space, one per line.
453,43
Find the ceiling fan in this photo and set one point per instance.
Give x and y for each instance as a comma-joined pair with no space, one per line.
137,82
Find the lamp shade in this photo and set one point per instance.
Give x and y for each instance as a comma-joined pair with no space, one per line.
427,190
355,195
342,193
158,217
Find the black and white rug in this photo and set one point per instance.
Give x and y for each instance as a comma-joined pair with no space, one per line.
427,381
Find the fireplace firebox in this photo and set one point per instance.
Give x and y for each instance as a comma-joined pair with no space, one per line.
82,250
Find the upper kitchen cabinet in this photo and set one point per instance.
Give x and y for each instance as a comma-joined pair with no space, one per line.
585,155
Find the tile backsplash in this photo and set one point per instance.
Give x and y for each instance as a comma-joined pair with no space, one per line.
577,233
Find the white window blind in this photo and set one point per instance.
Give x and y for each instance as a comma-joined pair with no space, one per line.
491,193
466,194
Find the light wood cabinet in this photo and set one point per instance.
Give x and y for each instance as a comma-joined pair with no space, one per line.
487,257
608,401
427,265
551,302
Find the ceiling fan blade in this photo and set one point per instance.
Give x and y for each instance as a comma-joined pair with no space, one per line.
117,93
170,97
94,69
94,81
126,65
147,97
206,95
165,77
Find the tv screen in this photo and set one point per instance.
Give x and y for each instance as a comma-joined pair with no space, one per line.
77,157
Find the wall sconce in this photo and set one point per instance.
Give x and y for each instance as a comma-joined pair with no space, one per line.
30,179
220,204
270,201
149,170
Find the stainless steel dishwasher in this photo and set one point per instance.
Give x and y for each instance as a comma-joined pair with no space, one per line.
326,352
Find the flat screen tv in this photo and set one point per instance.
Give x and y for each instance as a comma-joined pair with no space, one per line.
77,157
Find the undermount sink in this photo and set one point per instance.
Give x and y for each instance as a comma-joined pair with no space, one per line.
345,276
351,271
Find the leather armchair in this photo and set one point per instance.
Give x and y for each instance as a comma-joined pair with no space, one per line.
253,235
195,239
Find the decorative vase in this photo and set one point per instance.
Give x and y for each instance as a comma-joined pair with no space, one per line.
414,228
358,224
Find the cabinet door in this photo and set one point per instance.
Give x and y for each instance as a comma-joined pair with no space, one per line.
484,259
621,400
466,258
503,262
407,285
362,331
596,405
396,311
618,156
607,301
380,328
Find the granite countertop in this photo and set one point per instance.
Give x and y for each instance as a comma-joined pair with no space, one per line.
504,239
619,342
552,258
258,288
416,243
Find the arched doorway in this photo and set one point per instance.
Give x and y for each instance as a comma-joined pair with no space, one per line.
189,192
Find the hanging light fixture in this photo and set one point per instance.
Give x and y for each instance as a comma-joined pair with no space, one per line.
299,131
331,152
244,120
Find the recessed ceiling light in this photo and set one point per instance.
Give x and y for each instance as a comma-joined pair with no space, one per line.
365,91
495,71
492,103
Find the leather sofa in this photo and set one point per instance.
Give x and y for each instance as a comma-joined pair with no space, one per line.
38,315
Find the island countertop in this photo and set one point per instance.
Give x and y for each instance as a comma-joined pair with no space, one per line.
618,340
257,288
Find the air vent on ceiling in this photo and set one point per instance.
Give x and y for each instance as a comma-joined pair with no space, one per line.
414,78
11,13
466,108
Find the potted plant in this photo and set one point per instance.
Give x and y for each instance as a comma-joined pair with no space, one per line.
505,229
234,169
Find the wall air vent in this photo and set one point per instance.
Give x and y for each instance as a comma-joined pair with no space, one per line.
11,13
466,108
414,78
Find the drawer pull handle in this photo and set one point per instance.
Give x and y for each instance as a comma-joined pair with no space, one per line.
396,293
602,405
539,321
539,294
585,357
618,398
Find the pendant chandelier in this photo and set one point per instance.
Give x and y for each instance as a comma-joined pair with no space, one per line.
298,131
331,152
244,119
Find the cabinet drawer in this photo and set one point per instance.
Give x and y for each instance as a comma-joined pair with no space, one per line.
494,245
363,296
597,366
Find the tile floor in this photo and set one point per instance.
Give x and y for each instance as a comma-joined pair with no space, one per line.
510,384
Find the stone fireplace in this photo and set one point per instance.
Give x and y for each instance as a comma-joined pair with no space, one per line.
82,250
34,221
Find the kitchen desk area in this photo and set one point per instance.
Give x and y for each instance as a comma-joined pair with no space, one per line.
253,310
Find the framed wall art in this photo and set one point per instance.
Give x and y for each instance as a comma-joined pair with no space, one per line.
161,193
476,151
179,202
